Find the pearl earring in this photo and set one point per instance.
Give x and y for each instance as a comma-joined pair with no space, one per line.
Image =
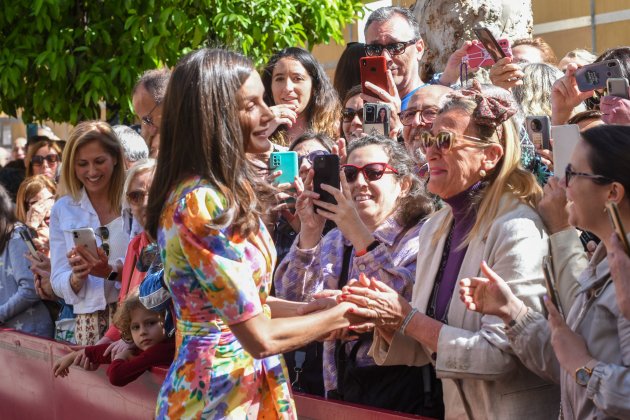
482,173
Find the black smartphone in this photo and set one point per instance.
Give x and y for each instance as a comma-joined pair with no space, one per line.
539,131
490,43
615,220
326,172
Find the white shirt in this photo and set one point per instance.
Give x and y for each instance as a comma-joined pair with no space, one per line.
97,292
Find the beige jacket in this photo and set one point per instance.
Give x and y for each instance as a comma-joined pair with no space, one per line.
481,377
596,317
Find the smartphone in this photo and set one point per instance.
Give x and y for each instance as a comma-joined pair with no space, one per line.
594,76
376,119
550,283
84,237
490,43
615,220
478,56
26,236
373,70
326,172
618,86
539,131
287,162
565,137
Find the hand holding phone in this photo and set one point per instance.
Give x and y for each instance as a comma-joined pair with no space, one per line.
550,284
287,162
326,169
26,236
373,70
478,56
618,86
491,45
539,131
376,119
594,76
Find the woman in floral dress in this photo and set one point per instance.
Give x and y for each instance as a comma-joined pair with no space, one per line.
218,257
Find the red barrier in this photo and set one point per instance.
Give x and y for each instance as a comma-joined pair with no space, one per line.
28,389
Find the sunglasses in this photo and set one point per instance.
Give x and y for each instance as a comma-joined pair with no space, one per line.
395,48
137,197
427,116
148,119
103,233
311,156
570,173
347,114
38,160
444,140
371,171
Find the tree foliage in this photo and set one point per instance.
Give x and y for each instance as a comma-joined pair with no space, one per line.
59,58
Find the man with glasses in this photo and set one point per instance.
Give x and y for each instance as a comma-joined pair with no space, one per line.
394,33
419,116
147,97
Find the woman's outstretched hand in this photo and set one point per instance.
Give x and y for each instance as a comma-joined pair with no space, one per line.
489,295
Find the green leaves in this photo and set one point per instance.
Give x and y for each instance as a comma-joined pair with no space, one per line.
60,58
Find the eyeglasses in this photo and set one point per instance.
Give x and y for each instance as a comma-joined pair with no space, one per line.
103,233
137,197
444,141
347,114
371,171
148,119
569,173
38,160
395,48
427,116
311,156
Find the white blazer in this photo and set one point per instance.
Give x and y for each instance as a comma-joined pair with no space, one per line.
66,215
481,377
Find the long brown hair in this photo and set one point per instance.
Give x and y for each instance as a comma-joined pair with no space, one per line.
200,135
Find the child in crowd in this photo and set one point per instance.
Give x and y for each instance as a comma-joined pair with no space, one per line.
145,328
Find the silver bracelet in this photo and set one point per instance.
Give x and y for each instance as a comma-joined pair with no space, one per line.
407,320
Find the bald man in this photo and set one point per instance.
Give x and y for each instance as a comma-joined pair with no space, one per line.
419,115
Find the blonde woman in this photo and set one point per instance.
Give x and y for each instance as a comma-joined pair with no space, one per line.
91,187
473,155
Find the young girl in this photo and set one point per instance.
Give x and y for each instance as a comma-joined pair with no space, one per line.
138,324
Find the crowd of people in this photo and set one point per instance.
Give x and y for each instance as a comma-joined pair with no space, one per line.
456,272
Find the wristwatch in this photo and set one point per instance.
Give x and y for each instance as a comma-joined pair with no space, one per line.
583,374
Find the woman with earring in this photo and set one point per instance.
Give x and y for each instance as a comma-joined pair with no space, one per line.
473,155
589,353
91,185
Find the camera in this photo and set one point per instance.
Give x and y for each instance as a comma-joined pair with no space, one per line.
535,125
75,234
370,113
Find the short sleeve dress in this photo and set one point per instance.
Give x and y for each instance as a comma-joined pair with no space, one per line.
216,279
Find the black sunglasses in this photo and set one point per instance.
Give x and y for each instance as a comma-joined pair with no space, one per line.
395,48
371,171
311,156
38,160
347,114
570,173
103,233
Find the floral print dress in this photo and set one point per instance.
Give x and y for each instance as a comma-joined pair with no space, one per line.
216,279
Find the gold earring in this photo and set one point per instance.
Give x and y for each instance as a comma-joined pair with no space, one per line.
482,173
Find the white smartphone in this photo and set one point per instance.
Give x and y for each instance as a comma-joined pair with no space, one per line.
84,237
565,137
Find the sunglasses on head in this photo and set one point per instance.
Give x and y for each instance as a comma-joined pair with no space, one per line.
348,114
444,140
38,160
371,171
137,197
311,156
103,233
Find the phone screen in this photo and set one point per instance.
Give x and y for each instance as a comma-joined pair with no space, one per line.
490,43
